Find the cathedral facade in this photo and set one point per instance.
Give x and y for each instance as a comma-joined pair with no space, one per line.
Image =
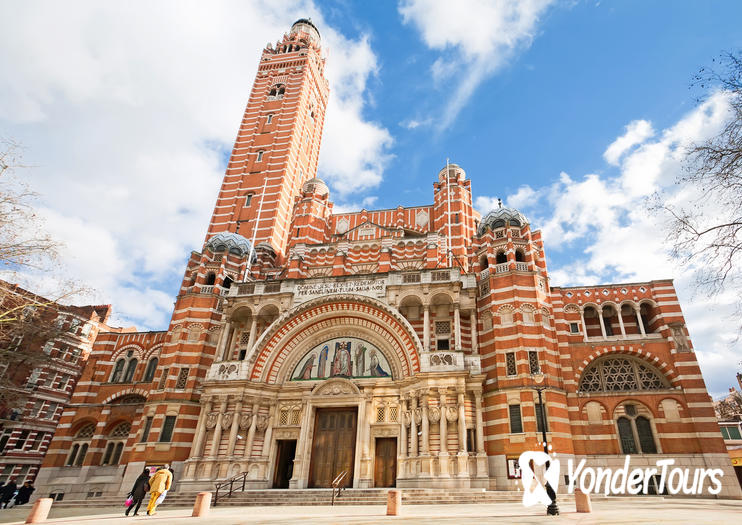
394,347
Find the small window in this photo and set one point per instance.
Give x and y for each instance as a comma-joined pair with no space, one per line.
540,421
166,434
442,344
501,258
248,199
130,369
455,218
533,362
21,439
510,368
147,428
163,379
269,118
37,440
260,157
149,374
516,423
210,279
574,328
471,439
182,381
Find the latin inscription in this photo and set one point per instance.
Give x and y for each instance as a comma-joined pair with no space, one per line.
367,287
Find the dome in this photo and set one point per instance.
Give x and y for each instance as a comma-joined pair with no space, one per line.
306,25
232,242
315,185
454,170
500,217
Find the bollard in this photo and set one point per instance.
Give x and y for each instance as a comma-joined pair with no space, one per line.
582,501
40,510
202,504
393,502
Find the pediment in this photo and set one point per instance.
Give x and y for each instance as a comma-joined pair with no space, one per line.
336,387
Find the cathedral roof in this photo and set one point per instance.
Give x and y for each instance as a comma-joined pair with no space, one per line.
228,241
500,217
308,22
315,185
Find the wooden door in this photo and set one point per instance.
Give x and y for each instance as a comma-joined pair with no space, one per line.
285,454
385,462
333,447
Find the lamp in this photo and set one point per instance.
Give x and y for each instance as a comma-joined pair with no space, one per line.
538,378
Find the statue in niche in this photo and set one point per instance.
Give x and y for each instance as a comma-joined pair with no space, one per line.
341,362
306,370
376,369
322,361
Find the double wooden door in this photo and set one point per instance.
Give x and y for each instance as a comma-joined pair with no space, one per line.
333,447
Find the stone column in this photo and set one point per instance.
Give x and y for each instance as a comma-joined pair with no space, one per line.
253,330
620,323
235,427
473,324
584,326
251,432
413,427
479,422
443,429
223,340
229,343
403,431
426,465
218,428
639,320
197,450
457,327
463,456
426,328
268,435
602,322
364,416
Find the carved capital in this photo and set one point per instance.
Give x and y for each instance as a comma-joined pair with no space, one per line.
211,420
452,414
434,414
227,420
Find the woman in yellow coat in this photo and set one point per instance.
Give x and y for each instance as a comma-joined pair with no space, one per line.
158,484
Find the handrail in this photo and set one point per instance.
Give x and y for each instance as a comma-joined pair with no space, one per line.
229,482
336,485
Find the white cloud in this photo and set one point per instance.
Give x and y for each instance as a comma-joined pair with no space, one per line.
636,132
475,38
599,230
128,111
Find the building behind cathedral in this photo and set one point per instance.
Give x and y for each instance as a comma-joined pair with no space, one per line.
397,346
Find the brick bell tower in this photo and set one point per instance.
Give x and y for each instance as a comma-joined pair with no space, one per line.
278,142
274,155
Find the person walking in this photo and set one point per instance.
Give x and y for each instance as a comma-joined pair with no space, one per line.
138,491
24,493
8,493
158,484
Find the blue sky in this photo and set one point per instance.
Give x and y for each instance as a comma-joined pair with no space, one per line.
573,111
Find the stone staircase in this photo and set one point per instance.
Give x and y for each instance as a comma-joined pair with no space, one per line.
271,497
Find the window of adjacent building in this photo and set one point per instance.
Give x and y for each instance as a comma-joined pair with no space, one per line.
726,432
149,373
3,441
166,434
260,156
147,428
51,410
33,378
533,363
574,328
516,423
37,440
248,199
21,439
541,420
510,367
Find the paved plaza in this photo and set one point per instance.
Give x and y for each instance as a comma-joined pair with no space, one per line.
607,511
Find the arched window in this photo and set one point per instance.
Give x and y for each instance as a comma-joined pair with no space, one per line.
118,370
115,445
646,438
621,374
626,435
210,279
635,430
281,91
501,258
149,373
483,263
80,446
130,369
519,256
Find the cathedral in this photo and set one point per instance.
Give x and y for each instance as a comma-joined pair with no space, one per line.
403,347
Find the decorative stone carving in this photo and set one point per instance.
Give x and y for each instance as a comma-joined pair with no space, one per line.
434,414
421,218
418,416
227,420
245,420
441,359
681,341
452,414
227,369
336,387
262,422
406,418
211,420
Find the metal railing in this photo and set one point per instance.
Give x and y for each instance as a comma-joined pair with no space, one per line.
230,483
337,487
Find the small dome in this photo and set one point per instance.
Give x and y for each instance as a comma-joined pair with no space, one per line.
306,25
501,217
231,242
454,171
315,185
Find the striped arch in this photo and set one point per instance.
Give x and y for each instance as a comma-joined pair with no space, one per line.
122,393
670,373
298,330
138,351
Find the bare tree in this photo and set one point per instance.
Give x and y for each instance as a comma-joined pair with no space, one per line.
707,231
729,408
